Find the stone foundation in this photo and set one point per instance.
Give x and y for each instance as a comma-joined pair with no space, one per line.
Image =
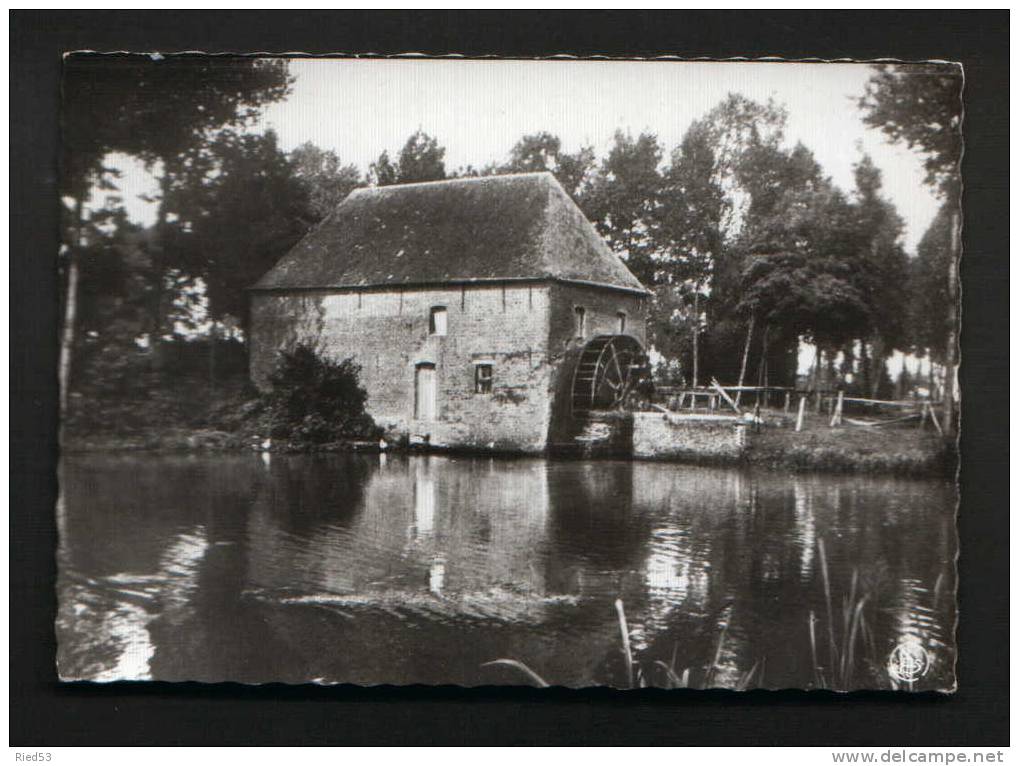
688,437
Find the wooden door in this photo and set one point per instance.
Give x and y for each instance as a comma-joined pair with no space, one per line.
425,391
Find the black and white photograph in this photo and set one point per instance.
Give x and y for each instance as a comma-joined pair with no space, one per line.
560,373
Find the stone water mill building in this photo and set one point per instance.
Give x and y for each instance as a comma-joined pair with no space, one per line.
484,312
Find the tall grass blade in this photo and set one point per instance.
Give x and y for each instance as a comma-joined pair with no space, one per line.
746,678
832,650
811,621
710,677
516,665
624,632
849,651
675,681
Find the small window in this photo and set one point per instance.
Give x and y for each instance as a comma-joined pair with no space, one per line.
580,316
437,321
482,378
621,320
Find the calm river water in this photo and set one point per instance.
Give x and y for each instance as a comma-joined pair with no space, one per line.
376,569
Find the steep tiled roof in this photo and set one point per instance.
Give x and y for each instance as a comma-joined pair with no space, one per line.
465,230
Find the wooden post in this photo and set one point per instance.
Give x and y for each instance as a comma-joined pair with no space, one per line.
746,355
696,332
836,415
785,408
799,415
934,420
725,396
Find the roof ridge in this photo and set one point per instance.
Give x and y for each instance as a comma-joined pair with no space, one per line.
547,174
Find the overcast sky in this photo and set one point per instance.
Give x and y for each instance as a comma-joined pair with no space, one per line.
479,109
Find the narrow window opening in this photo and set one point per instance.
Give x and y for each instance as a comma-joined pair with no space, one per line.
483,378
580,317
621,319
437,321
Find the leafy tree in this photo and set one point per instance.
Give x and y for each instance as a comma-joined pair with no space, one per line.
542,151
670,331
327,179
241,205
744,136
420,159
727,165
800,272
383,172
315,400
920,105
179,104
882,273
110,253
155,109
622,199
928,289
689,220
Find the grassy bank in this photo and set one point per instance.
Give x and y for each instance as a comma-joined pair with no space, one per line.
902,449
232,418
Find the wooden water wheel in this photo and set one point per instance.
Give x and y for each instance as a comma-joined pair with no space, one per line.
611,371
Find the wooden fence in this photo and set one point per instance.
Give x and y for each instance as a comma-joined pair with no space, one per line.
831,403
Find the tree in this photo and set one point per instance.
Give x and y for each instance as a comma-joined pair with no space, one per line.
928,289
383,172
542,151
801,268
180,103
243,205
920,105
689,219
328,180
158,110
728,165
420,159
882,273
622,199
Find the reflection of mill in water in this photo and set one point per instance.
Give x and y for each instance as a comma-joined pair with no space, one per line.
486,546
426,532
424,526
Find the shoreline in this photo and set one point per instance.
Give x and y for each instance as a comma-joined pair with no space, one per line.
771,449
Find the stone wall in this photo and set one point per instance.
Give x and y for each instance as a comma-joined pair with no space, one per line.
601,311
692,437
387,333
527,332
